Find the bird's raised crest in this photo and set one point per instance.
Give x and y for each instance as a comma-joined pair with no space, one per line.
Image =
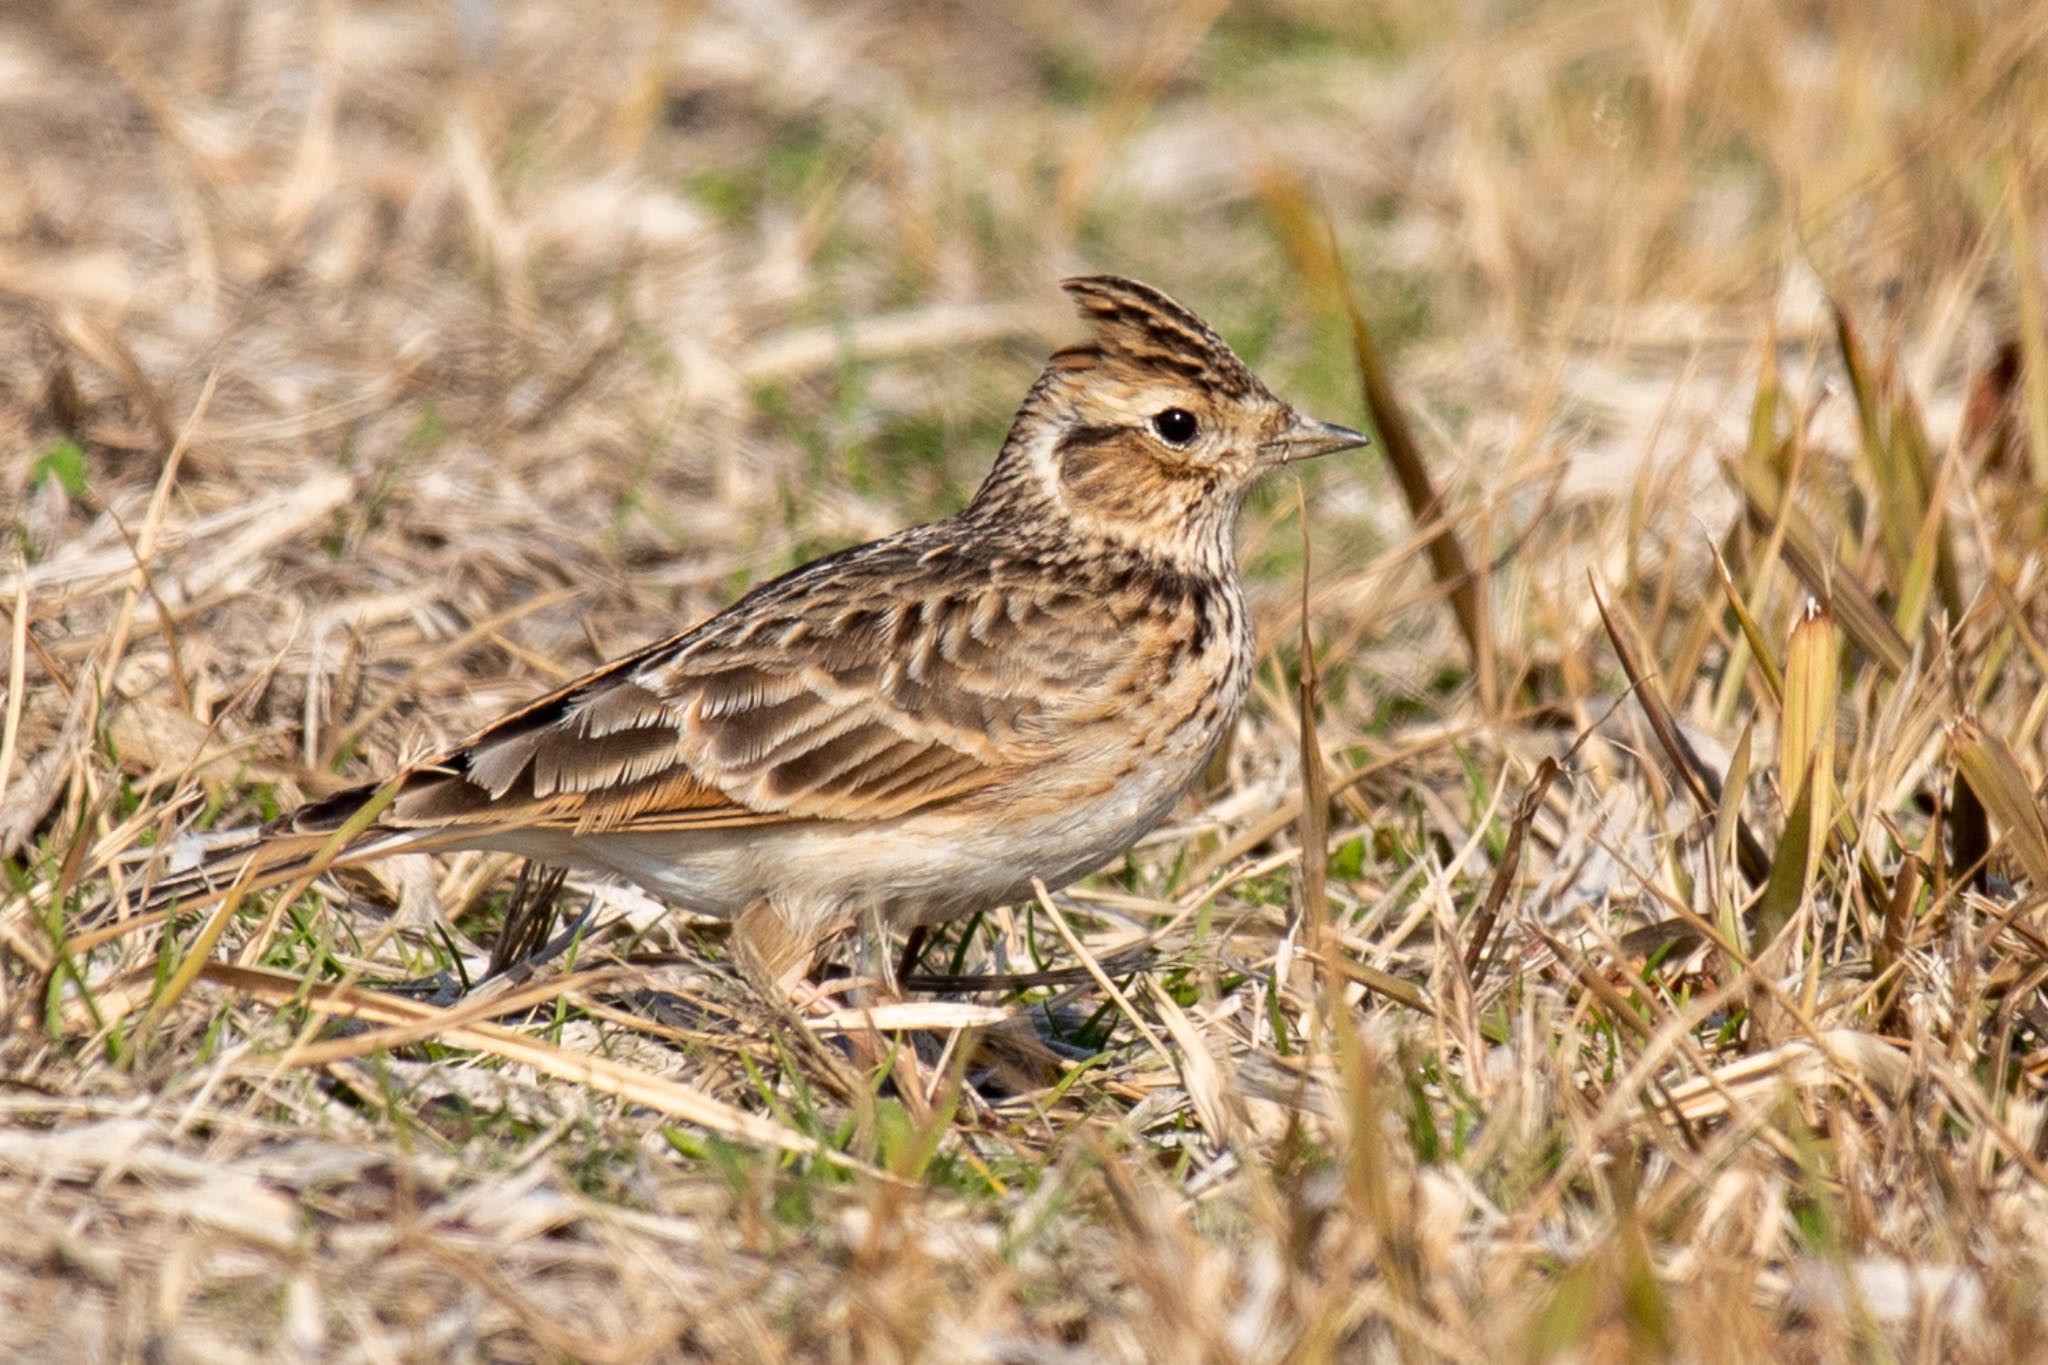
1136,324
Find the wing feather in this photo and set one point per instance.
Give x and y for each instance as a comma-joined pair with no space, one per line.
807,700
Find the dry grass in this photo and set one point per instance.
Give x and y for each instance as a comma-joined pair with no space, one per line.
369,367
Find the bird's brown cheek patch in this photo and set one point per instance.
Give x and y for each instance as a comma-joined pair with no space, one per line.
1114,477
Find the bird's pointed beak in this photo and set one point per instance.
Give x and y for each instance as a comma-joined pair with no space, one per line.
1305,438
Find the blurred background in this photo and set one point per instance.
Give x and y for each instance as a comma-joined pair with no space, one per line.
428,354
490,299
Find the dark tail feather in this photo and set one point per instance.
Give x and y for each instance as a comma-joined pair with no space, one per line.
260,861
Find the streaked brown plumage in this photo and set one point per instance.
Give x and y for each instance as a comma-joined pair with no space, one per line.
917,727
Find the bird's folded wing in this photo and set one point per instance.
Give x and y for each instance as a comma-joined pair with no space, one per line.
855,712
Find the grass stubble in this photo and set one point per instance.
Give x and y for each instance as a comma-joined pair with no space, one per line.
1615,933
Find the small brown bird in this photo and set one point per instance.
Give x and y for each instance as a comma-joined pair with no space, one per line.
912,729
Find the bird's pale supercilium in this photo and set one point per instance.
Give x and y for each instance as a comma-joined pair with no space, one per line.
918,727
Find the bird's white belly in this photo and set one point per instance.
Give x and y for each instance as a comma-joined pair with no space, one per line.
917,870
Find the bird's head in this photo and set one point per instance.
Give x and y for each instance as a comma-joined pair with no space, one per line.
1149,432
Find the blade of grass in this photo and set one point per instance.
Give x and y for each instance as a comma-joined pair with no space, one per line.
1823,575
1752,633
1763,450
1310,240
1923,571
2033,338
1969,837
1785,888
17,672
1683,760
1896,491
1901,467
1511,858
1890,948
143,547
1734,787
1087,959
599,1073
1806,738
1313,828
208,938
1993,771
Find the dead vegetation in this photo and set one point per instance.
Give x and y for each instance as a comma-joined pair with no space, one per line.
1635,950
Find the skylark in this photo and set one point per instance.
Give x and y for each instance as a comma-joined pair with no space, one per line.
911,729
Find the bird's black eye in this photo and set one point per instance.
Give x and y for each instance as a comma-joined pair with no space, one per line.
1176,426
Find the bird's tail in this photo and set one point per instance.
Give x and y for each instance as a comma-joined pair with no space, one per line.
258,859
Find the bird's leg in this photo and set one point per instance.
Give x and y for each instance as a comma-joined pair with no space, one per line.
913,1085
773,954
770,952
913,949
876,965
